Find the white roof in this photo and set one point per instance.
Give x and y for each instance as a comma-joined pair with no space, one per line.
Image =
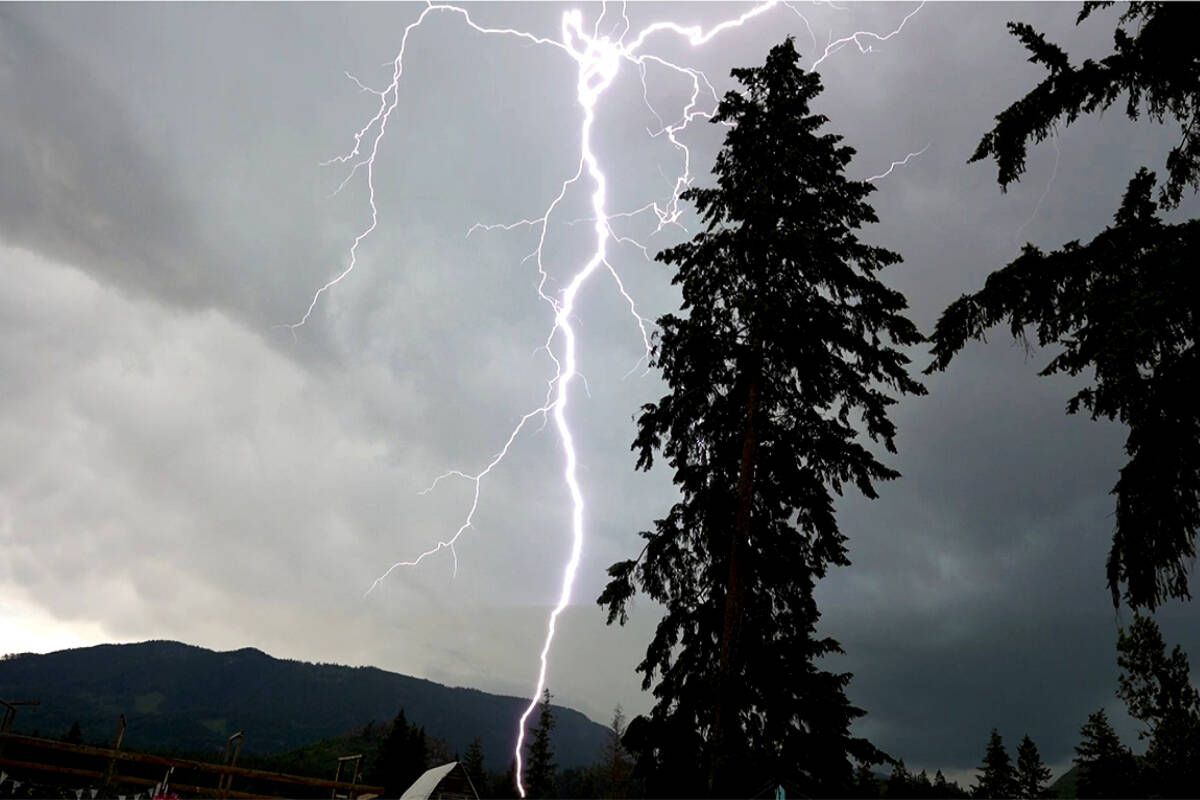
423,786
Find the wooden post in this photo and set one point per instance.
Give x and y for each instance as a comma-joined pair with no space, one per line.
233,748
106,753
117,740
355,762
10,714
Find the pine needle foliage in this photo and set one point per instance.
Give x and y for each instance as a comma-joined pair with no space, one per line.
997,778
1032,774
1122,306
775,369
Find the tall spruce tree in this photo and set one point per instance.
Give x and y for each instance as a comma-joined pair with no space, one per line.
778,365
1032,774
540,776
615,768
997,778
473,766
401,757
941,789
1124,304
1107,768
1157,690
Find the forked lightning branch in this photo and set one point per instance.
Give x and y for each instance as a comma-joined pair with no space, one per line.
597,60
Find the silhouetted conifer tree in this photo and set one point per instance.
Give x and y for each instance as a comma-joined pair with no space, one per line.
540,775
898,783
73,735
473,766
941,789
781,354
921,785
1106,767
1032,774
997,778
865,782
401,757
1123,306
615,767
1157,690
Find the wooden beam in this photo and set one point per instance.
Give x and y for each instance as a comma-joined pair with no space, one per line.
187,763
128,779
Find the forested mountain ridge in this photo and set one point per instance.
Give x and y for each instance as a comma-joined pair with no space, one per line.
182,697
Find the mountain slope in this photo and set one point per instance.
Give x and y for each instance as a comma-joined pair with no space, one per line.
177,696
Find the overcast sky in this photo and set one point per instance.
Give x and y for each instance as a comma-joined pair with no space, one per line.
175,465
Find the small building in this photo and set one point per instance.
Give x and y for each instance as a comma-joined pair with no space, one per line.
447,782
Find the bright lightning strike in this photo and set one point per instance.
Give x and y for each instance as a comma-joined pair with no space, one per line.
598,60
899,163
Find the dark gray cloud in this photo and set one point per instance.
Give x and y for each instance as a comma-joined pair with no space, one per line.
174,466
80,184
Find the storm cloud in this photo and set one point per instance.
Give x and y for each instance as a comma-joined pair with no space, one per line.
173,464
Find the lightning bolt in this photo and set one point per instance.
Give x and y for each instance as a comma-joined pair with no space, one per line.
899,163
598,60
1045,191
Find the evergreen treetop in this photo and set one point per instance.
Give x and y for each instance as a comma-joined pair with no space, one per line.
401,757
1106,767
74,734
1157,690
783,360
1032,774
615,768
540,775
473,765
997,778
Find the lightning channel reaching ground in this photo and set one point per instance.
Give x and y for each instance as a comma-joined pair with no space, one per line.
598,60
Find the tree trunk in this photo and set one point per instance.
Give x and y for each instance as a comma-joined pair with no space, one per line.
727,728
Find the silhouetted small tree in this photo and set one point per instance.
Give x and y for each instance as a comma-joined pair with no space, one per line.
997,778
1032,774
1106,767
1157,690
897,785
616,767
401,757
473,766
539,777
73,735
944,790
865,782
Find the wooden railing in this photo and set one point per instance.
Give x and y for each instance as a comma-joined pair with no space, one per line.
12,744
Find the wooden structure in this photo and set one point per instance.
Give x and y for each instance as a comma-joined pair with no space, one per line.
21,754
447,782
354,766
